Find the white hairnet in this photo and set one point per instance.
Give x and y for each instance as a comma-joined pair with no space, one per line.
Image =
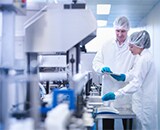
140,39
121,23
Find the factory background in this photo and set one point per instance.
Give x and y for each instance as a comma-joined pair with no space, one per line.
27,56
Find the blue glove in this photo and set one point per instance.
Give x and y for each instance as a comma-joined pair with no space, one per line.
106,69
108,96
120,77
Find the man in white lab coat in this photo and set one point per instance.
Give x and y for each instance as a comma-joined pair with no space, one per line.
142,83
116,56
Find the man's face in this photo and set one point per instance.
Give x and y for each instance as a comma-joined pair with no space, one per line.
121,35
134,49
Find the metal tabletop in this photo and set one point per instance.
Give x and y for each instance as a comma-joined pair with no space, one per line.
123,114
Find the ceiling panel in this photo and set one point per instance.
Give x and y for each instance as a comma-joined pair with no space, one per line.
135,10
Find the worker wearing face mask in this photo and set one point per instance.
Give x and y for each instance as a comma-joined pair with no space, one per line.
116,56
141,83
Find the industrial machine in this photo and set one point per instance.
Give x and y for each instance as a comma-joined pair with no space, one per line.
60,31
54,35
9,9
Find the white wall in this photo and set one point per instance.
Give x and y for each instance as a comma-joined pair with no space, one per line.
152,22
103,35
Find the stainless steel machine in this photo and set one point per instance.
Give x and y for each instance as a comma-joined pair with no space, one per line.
51,29
9,9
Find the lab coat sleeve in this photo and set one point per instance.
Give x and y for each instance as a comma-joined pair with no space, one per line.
98,62
139,72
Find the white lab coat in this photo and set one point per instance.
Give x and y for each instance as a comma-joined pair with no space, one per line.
143,85
119,59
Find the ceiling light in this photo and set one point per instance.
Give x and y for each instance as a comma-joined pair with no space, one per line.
103,8
101,23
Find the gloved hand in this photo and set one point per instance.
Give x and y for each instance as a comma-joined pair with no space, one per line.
106,69
120,77
108,96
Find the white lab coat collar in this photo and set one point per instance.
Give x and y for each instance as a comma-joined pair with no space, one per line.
143,52
121,48
124,44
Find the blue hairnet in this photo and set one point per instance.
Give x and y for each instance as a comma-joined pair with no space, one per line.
121,23
140,39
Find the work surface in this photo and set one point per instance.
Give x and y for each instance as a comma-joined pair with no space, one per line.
96,102
123,114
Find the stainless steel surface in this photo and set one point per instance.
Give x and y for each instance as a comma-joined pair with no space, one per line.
52,67
94,101
123,114
58,29
8,32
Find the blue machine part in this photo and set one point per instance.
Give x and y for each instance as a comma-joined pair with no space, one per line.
69,97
